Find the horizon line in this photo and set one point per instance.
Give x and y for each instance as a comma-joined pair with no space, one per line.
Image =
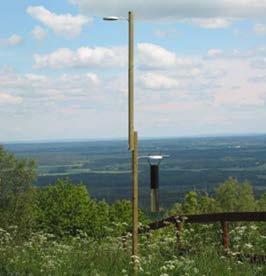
69,140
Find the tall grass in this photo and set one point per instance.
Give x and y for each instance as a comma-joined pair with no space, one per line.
43,254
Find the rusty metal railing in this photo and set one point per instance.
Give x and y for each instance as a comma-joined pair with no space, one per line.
223,218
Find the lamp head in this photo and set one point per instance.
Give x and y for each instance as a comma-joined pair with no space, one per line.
155,159
111,18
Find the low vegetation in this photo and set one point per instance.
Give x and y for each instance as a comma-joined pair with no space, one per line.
61,230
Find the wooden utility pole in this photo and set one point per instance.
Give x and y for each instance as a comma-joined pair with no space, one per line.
130,81
132,134
133,141
135,220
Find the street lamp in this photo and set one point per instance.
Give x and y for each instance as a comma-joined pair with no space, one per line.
132,134
130,20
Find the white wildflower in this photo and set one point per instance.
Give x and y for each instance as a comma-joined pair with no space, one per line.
248,245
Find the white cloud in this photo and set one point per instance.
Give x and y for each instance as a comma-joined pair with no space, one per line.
258,78
38,33
166,33
217,95
152,56
259,63
40,87
62,24
6,98
105,57
13,40
252,54
148,56
60,58
236,89
260,29
239,97
82,57
173,9
34,78
215,53
209,23
93,78
155,81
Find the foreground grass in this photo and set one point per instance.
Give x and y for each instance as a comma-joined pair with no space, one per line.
43,254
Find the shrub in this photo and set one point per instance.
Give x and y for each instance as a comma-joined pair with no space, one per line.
64,208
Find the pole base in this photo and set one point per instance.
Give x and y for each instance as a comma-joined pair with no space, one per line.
154,200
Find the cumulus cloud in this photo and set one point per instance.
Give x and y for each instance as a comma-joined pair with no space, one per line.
38,33
172,9
82,57
36,86
93,78
60,58
61,24
260,29
236,89
6,98
36,78
155,81
209,23
259,63
239,97
222,81
179,96
152,56
166,33
148,56
215,53
258,78
252,54
13,40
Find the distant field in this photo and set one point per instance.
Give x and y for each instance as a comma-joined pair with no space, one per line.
194,163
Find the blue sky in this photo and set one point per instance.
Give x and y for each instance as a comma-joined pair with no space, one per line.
200,68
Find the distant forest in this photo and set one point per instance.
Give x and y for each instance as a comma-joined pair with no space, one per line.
194,164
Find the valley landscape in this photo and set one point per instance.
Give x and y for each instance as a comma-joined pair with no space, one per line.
205,213
183,192
200,163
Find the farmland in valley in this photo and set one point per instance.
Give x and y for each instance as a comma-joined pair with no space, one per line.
194,163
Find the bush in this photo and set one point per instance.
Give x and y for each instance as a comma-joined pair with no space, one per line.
64,208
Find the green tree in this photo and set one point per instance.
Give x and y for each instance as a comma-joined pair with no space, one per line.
120,211
207,204
190,204
100,224
64,208
235,196
175,209
262,203
16,191
247,201
121,215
